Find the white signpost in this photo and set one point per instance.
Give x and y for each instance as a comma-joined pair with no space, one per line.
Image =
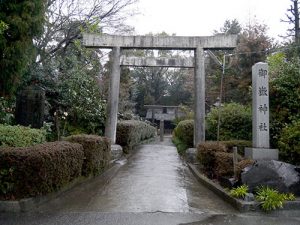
260,115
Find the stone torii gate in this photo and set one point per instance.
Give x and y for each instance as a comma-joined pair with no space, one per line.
197,44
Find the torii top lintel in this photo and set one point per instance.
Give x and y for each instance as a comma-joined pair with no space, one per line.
160,42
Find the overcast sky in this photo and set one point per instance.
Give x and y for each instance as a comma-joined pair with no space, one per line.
202,17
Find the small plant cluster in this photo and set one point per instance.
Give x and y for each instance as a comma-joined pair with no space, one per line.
239,192
269,198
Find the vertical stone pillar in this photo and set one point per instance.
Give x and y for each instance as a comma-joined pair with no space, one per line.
113,96
199,80
260,115
162,129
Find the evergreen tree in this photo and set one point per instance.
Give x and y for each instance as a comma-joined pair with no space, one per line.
24,19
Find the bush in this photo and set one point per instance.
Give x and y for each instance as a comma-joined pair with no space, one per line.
38,170
180,145
271,199
285,95
289,143
132,132
217,159
239,192
243,164
96,153
185,132
223,165
206,155
236,123
19,136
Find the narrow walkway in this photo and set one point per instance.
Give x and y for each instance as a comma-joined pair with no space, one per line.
153,180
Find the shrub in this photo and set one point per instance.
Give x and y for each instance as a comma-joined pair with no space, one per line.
271,199
289,143
132,132
38,170
185,132
6,111
206,155
217,159
243,164
19,136
96,152
236,123
180,145
239,192
223,165
285,95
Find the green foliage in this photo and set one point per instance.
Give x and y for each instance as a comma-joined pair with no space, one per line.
271,199
236,123
19,136
96,153
132,132
239,192
6,111
184,131
285,95
25,22
81,96
3,27
6,184
38,170
289,143
180,145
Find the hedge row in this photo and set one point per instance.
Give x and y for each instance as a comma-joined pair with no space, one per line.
96,152
38,170
132,132
217,158
20,136
44,168
184,131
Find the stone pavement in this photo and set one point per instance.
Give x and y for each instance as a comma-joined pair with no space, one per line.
153,187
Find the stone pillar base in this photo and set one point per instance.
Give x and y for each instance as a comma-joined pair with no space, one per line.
261,153
116,152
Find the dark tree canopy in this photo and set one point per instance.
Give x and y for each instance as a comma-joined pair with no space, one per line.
25,21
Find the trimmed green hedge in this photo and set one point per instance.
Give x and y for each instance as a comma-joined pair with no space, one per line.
184,131
38,170
132,132
96,152
19,136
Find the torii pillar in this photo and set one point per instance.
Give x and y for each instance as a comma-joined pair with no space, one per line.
197,44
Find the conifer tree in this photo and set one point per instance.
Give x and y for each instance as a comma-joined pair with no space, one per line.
24,20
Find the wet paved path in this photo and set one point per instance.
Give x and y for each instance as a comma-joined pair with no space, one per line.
153,180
